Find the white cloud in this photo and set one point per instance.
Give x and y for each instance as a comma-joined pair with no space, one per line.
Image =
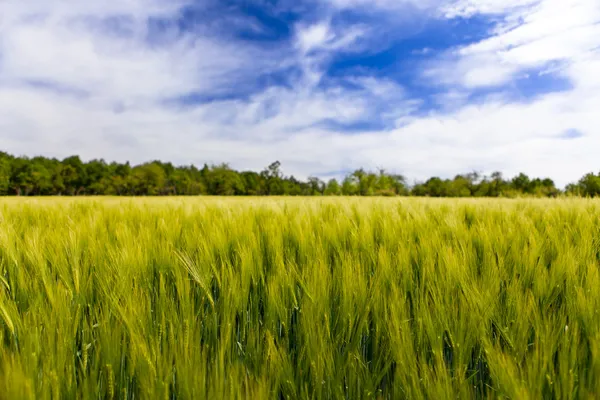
323,36
560,38
121,82
531,35
382,4
126,78
279,124
511,136
314,37
468,8
61,45
480,70
317,43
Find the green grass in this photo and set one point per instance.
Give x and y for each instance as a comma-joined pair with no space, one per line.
206,298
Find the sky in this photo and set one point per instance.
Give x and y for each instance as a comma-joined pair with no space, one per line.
418,87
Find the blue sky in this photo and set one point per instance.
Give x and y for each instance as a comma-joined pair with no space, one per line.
419,87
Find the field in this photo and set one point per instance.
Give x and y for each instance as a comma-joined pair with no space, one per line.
204,298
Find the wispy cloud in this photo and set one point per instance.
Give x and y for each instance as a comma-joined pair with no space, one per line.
322,36
529,36
65,46
374,5
469,8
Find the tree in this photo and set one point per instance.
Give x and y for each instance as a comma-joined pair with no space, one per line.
434,187
5,166
350,186
497,186
253,182
385,185
223,181
71,176
573,189
317,186
333,188
33,179
79,178
274,179
521,183
589,185
366,182
461,186
183,183
149,179
399,184
293,187
58,183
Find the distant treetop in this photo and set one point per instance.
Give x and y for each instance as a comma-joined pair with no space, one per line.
40,176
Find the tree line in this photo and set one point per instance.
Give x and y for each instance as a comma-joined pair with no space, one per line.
41,176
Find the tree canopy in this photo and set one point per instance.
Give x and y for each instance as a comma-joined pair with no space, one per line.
40,176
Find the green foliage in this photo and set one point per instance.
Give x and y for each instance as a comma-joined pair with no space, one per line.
588,186
333,188
5,162
307,299
223,181
149,179
473,185
41,176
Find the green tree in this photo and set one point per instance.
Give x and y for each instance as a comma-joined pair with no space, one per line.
223,181
497,186
399,184
589,185
461,186
149,179
294,187
333,188
521,183
350,186
317,186
388,185
434,187
182,183
78,180
366,182
274,179
253,182
71,176
5,169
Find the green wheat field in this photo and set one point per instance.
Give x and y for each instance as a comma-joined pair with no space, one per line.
205,298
